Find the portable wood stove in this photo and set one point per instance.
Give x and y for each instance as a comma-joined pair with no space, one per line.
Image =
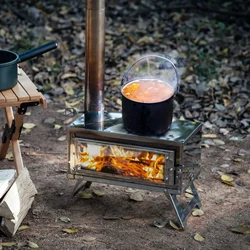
101,150
111,155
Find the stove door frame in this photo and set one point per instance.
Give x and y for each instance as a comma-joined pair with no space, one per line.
169,180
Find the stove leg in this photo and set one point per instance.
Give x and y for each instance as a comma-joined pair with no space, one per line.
80,186
183,212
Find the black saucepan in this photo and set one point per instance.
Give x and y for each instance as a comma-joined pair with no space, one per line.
9,61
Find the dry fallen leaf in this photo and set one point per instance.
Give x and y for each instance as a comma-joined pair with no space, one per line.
136,196
26,131
29,125
118,101
68,75
242,229
98,192
62,138
32,244
88,238
218,142
227,180
131,190
209,136
237,160
72,104
70,230
9,156
224,166
198,237
69,88
189,190
8,244
61,111
22,244
65,219
57,126
85,195
23,227
174,226
188,195
197,212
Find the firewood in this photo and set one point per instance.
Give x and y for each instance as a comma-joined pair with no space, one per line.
16,203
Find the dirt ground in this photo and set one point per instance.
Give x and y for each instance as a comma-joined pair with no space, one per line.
224,206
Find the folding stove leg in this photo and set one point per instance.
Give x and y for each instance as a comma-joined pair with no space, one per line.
80,186
183,212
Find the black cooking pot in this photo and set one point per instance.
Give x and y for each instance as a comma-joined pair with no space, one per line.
9,61
149,118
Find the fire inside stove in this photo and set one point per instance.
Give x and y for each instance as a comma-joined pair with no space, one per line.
120,160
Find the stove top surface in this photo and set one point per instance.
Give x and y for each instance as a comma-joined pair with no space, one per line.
180,130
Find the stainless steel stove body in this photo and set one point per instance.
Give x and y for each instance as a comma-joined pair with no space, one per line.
105,152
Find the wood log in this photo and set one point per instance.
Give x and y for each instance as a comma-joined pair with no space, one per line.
16,203
7,177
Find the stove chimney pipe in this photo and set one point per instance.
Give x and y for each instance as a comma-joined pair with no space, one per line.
94,56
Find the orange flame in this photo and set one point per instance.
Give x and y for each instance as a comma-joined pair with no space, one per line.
121,161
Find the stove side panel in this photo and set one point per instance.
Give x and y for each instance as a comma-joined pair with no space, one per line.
190,162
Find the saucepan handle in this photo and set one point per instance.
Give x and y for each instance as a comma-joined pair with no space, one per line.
37,51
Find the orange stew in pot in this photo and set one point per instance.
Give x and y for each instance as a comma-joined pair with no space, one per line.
148,91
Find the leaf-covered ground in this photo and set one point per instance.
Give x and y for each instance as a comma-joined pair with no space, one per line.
209,42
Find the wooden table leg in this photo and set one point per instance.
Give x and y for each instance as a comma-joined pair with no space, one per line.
5,145
15,143
4,148
18,160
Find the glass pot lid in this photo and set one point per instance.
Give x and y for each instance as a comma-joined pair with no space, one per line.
152,67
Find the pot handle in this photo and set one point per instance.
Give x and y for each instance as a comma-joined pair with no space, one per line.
37,51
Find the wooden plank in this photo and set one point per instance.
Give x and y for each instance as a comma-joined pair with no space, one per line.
7,177
9,95
28,85
21,93
2,98
16,203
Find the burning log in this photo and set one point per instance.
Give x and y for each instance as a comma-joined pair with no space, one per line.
120,161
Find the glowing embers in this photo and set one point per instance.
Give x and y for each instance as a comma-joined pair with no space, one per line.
121,160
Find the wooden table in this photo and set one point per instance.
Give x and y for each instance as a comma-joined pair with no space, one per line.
23,95
17,189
